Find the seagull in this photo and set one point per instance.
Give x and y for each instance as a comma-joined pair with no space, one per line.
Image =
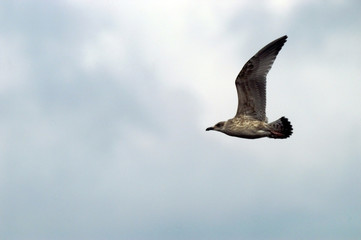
250,120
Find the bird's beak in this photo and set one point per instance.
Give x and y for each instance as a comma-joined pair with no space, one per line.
210,128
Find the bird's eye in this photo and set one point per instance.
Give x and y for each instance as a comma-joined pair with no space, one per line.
219,125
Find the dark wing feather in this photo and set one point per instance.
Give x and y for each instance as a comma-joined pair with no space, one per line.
251,81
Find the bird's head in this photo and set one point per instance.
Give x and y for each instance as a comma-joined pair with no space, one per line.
218,127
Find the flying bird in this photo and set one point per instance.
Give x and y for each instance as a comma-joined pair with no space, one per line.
250,120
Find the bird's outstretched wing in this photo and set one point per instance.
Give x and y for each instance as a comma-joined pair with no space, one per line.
251,81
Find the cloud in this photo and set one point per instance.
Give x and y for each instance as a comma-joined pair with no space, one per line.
103,126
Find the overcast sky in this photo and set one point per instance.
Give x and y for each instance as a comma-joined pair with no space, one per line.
104,106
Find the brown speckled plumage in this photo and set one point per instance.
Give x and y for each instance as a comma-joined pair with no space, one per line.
250,120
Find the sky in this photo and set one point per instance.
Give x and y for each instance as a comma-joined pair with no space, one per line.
104,106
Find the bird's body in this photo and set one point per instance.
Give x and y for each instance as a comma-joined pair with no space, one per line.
250,120
245,127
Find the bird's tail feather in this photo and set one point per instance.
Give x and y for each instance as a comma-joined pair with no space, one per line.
281,128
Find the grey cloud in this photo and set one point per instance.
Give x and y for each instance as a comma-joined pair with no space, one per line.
99,154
